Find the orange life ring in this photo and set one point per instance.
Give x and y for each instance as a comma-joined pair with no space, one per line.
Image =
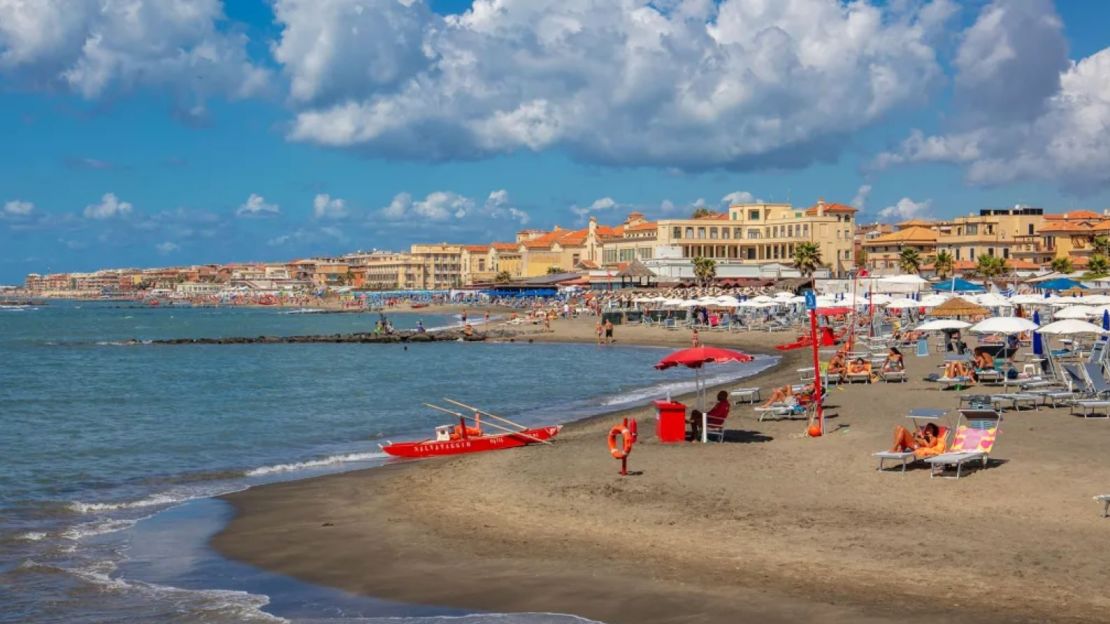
626,444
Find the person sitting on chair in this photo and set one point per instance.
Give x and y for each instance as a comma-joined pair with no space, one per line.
715,416
957,369
837,365
984,360
858,366
893,361
926,442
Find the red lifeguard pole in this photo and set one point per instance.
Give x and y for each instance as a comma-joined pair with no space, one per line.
811,303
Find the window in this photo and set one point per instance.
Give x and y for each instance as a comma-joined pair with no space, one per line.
751,253
737,233
1006,252
725,233
676,232
990,251
753,215
753,233
838,234
971,253
701,232
957,253
972,230
1031,229
689,232
712,232
805,229
790,231
645,253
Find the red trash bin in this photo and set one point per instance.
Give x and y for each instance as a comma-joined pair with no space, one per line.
670,425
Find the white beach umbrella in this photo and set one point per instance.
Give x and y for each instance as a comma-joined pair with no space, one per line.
762,299
798,299
1029,300
932,301
1003,325
880,299
1075,312
672,302
727,300
993,300
1070,326
903,303
688,303
783,294
1095,300
752,303
942,324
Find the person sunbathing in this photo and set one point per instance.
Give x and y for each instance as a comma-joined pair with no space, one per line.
716,415
926,442
780,395
984,360
836,364
858,367
957,369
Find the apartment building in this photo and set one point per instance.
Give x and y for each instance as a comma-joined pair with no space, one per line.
884,251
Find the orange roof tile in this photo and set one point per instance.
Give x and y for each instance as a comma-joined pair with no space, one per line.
1065,227
916,222
476,248
1021,265
908,235
647,225
830,208
505,246
1082,214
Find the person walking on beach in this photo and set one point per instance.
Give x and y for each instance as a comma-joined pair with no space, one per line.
609,332
598,329
695,340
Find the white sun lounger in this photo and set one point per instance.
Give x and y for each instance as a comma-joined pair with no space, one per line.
1090,408
745,395
948,382
893,375
1015,400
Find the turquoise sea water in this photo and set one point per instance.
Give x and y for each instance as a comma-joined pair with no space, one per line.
110,453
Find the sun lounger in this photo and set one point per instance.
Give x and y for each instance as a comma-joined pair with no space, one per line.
990,375
973,442
950,382
893,375
864,377
1015,400
781,410
1105,500
1089,408
906,458
745,395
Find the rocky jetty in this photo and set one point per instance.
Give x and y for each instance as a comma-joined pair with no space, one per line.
358,338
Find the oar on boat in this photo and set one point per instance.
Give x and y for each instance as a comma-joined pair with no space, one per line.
496,426
484,412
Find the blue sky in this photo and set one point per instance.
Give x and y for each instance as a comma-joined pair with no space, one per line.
269,130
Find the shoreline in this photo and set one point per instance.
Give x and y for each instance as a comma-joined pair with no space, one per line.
769,527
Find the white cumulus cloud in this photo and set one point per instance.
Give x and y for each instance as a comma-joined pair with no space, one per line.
256,206
436,206
599,205
499,205
95,48
738,197
905,208
859,202
625,83
326,207
18,208
167,247
109,207
1025,112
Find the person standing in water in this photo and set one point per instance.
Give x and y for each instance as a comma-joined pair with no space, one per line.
609,332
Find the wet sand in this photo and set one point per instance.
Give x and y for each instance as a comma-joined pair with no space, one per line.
769,526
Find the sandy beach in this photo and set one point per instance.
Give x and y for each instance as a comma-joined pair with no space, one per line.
769,526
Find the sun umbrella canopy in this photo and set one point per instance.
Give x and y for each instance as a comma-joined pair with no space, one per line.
1029,300
1076,312
932,301
943,324
903,303
1070,326
699,356
834,311
957,284
993,300
879,299
1060,283
1003,325
958,306
762,299
1095,300
903,279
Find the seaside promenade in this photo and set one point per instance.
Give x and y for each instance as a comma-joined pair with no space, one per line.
769,526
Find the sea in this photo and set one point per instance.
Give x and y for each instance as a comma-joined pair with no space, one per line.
113,450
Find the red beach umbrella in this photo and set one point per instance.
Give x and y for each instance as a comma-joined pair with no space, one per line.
697,356
834,311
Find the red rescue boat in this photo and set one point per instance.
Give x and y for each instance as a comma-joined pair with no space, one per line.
471,444
464,438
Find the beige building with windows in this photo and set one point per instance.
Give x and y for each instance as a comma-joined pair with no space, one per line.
765,233
442,265
993,232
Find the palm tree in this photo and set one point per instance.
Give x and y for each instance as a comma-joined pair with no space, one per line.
909,260
1101,245
990,266
807,258
944,264
503,277
1062,265
861,257
705,270
700,211
552,270
1099,266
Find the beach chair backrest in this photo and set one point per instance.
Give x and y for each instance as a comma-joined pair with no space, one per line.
1074,378
979,431
1095,377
